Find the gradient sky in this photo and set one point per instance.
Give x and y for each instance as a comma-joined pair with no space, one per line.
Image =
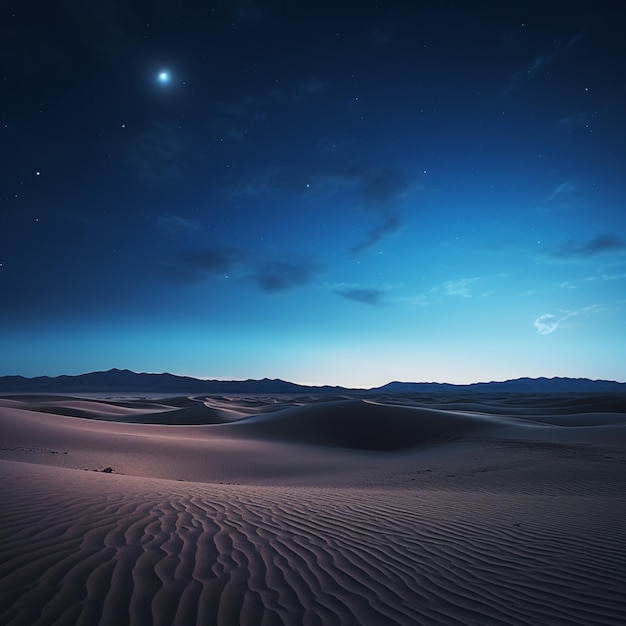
325,192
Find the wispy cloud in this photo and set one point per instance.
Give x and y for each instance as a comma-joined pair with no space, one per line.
377,192
464,288
276,276
547,323
561,190
171,222
540,62
307,89
600,244
389,225
372,297
380,191
269,275
415,301
606,277
460,287
575,284
579,119
561,198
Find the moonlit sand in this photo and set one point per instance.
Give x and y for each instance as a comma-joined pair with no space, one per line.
305,511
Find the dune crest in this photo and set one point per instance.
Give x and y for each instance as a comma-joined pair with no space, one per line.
363,425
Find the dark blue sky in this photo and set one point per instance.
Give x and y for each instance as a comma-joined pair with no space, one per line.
343,192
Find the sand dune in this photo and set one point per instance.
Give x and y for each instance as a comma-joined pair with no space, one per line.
363,425
345,512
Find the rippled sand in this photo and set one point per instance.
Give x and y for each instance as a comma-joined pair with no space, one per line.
394,510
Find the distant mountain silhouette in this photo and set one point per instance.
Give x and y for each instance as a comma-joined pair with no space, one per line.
116,380
125,381
518,385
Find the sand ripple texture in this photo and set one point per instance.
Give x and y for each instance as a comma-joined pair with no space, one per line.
128,550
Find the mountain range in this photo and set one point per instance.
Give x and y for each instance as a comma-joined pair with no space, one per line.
126,381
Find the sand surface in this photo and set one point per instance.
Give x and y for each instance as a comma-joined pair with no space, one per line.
313,510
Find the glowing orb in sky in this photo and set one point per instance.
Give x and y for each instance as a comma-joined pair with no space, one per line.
163,77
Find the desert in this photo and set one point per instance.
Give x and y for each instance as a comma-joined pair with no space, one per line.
313,313
319,509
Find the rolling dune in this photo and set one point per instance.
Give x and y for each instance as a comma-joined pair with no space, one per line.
363,425
331,512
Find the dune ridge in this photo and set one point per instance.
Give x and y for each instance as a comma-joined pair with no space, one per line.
296,511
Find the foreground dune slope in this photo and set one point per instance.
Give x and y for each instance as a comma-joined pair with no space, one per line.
452,518
118,549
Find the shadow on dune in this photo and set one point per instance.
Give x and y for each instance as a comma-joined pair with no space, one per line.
360,425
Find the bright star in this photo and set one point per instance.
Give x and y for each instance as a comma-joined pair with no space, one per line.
164,77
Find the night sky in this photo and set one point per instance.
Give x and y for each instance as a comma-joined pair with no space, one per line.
325,192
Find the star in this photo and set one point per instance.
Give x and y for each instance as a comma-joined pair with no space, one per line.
164,77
